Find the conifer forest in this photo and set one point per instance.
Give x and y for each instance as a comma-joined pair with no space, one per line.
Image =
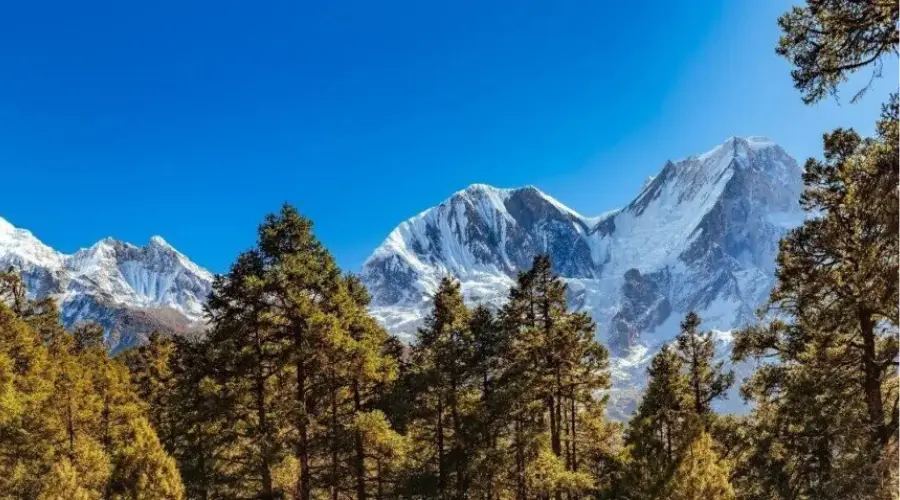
295,392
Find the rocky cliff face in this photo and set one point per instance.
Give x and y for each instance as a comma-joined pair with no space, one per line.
701,235
130,290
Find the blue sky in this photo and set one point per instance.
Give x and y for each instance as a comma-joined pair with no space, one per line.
193,119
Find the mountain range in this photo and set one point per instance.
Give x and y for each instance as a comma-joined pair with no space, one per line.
701,235
130,290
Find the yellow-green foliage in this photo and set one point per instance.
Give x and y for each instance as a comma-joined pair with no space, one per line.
547,474
70,423
701,474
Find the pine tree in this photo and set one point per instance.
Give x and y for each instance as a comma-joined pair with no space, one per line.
701,474
299,275
664,422
827,40
490,419
66,427
144,471
249,362
553,370
199,412
825,421
385,454
84,474
707,379
371,368
152,378
26,387
294,358
837,288
443,356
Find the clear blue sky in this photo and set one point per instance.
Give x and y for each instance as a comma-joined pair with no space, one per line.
193,119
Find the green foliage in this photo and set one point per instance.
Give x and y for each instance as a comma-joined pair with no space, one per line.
827,403
657,431
266,405
674,418
701,474
145,471
69,418
825,421
296,392
707,380
827,40
509,404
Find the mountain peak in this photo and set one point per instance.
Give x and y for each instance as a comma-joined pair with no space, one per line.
5,226
158,241
9,231
104,281
481,188
483,235
755,140
737,146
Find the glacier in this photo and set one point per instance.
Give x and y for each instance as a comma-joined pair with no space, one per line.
701,235
128,289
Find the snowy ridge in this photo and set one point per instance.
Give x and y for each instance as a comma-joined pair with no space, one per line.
701,235
122,286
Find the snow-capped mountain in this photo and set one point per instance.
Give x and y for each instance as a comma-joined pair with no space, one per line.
130,290
701,235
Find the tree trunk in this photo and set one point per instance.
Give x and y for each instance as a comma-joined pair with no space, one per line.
379,490
567,439
70,426
104,417
442,474
556,423
698,403
572,429
668,431
520,464
201,465
303,427
265,467
334,433
458,443
360,459
872,378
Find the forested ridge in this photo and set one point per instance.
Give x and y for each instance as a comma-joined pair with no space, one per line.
295,391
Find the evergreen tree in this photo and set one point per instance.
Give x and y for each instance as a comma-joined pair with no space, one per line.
144,470
553,372
707,379
664,422
294,359
299,276
26,388
82,474
67,428
489,420
443,357
827,40
701,474
378,449
150,365
825,421
244,361
837,287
